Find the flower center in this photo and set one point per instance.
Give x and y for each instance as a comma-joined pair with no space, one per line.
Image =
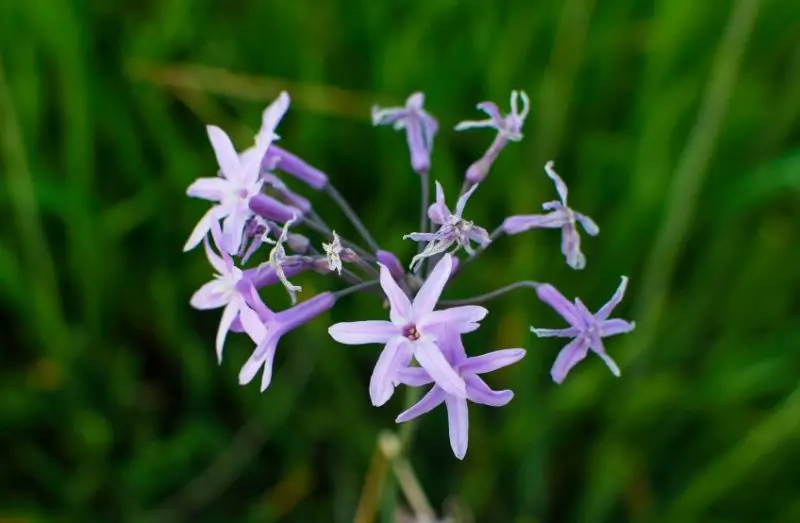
242,193
411,332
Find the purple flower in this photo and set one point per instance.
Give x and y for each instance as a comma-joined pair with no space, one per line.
560,216
453,228
275,325
420,128
412,333
392,263
238,183
588,329
509,128
223,291
477,390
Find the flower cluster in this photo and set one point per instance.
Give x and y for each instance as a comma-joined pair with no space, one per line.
424,338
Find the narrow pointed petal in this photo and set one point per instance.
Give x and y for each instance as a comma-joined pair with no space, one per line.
561,187
462,202
438,212
428,295
226,155
212,189
429,401
363,332
211,295
479,392
233,228
252,324
458,425
433,361
524,222
616,326
414,377
269,360
201,229
381,387
272,116
474,124
569,356
591,228
550,295
612,366
570,332
228,315
606,310
458,317
571,247
492,361
399,304
214,259
392,263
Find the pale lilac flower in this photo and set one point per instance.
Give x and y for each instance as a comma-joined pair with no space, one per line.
560,216
238,183
277,258
509,128
588,329
333,253
411,333
420,128
275,325
477,390
223,291
453,229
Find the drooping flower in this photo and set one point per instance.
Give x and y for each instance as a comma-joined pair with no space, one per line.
560,216
278,157
509,128
588,329
477,390
389,259
453,228
275,325
333,251
223,291
412,333
420,128
277,258
239,182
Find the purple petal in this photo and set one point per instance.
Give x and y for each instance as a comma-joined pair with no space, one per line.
598,348
392,263
215,260
271,209
306,311
272,116
550,295
414,377
438,212
208,189
492,361
428,295
254,301
252,324
418,145
561,187
226,155
569,356
524,222
429,401
399,305
480,236
433,361
228,315
233,228
263,356
491,109
588,224
479,392
458,425
201,229
571,247
295,166
389,362
616,326
363,332
457,317
606,310
462,201
211,295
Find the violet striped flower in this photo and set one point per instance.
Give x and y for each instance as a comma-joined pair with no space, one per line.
274,325
453,228
477,390
223,291
561,216
509,128
588,329
411,333
419,125
239,182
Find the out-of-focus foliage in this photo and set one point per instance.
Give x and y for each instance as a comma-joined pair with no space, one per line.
675,122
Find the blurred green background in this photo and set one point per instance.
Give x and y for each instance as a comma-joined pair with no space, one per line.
674,122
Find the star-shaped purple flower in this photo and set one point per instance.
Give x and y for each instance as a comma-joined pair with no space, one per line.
560,216
477,390
411,333
588,329
420,128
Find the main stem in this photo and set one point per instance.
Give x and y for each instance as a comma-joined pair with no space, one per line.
337,197
526,284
